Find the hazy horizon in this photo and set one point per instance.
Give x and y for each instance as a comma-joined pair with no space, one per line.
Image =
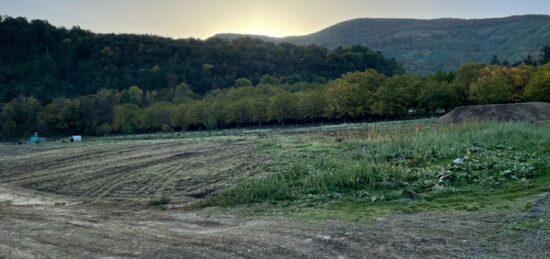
203,19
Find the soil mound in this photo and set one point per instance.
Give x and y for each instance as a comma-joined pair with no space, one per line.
529,112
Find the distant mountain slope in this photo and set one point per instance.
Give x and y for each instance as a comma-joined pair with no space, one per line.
443,44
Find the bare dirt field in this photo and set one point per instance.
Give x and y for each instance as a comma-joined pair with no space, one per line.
90,200
129,171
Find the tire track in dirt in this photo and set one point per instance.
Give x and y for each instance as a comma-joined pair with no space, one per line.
154,187
201,186
53,175
107,190
103,175
196,184
130,171
116,161
44,174
60,159
58,162
100,189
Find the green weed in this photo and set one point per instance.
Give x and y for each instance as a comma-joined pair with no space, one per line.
436,167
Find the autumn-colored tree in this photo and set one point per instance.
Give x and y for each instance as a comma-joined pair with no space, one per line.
269,80
104,129
491,90
345,99
520,76
51,117
126,118
409,87
310,104
282,107
243,82
538,88
258,109
71,117
196,114
370,80
178,119
500,84
157,117
437,95
135,95
367,83
183,93
389,101
236,111
465,77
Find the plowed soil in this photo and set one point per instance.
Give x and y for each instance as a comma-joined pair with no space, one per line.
129,171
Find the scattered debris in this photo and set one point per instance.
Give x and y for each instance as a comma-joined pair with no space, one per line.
35,139
475,148
76,138
324,237
458,161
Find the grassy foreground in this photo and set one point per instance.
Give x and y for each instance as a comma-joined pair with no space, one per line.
405,168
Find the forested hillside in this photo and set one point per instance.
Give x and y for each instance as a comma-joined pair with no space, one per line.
41,60
427,46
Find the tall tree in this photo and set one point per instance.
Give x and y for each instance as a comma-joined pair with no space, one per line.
538,88
126,118
282,106
135,95
389,101
491,90
437,95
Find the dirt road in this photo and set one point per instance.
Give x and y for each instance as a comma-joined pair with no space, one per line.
54,203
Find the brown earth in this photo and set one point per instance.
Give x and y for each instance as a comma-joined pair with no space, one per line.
527,112
129,171
89,201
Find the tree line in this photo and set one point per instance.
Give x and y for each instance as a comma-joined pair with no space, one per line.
351,96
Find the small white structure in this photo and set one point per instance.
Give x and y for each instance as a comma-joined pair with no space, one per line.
76,138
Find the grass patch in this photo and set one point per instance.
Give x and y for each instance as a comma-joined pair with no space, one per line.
407,168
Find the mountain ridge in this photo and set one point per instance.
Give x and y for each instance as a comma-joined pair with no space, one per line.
428,45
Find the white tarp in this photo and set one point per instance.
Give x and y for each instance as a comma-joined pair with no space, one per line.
76,138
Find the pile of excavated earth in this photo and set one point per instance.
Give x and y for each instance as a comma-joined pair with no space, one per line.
527,112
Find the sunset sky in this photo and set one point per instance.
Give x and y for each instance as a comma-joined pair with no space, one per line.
204,18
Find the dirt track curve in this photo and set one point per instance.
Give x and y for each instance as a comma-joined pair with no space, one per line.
129,171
